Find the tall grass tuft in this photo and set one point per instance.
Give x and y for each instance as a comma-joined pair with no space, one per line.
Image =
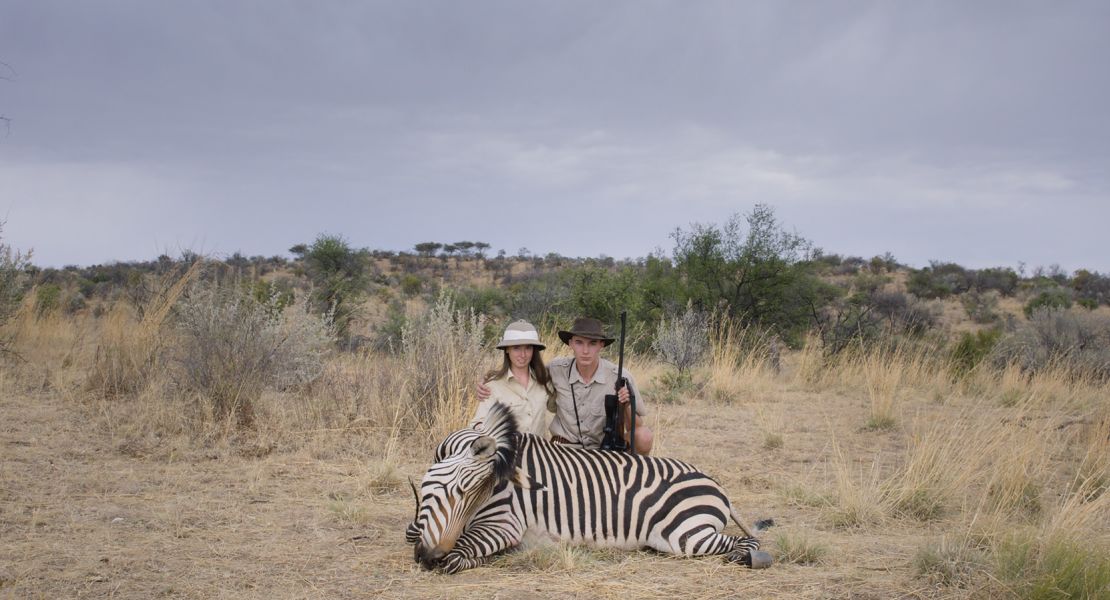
932,473
883,386
1038,568
739,362
859,493
798,547
442,353
130,350
1094,464
1065,555
950,562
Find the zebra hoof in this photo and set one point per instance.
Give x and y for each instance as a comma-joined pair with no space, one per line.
760,559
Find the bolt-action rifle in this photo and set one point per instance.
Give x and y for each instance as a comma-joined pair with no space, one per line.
613,434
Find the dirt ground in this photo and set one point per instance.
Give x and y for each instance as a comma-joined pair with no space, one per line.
86,513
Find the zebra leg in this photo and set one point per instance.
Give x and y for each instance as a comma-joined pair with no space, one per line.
478,543
742,550
705,539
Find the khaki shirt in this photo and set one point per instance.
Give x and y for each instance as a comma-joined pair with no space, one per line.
527,405
590,398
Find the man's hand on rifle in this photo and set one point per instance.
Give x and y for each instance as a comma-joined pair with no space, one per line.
622,395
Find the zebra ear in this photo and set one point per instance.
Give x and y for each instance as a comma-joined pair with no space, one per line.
484,447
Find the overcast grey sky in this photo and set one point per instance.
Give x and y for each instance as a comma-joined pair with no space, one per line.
974,132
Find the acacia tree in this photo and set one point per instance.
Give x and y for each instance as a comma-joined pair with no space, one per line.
427,248
759,274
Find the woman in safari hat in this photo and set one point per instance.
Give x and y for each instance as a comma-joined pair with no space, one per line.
522,383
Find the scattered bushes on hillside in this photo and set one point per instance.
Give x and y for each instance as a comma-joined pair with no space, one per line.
938,280
1051,298
998,279
1091,289
869,314
981,307
1079,342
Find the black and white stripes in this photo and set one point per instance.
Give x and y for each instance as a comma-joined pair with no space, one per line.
489,485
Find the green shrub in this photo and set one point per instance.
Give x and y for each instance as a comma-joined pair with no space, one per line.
877,316
939,280
338,275
756,270
273,294
602,293
1000,279
673,387
411,284
1091,288
972,349
47,298
489,301
1051,298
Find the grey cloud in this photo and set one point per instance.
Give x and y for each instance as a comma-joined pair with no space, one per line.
916,128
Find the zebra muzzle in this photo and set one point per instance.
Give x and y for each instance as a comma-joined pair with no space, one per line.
429,558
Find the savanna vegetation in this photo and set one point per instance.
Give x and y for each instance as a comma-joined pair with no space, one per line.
244,426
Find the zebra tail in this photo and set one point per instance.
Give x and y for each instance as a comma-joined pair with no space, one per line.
760,525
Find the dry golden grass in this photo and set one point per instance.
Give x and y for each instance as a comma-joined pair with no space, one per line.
981,487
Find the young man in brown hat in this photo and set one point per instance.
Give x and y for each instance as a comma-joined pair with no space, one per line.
581,383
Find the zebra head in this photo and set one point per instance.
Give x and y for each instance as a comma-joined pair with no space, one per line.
470,465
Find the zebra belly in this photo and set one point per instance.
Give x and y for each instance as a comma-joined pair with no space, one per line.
630,509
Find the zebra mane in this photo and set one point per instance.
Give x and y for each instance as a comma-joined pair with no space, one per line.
499,424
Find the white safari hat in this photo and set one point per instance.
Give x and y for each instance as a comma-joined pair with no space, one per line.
520,333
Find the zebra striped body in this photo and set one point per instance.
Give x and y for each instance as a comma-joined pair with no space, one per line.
600,498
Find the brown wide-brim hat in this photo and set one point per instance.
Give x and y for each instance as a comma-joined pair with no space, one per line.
588,328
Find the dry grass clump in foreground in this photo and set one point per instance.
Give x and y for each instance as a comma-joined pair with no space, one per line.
150,494
743,364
